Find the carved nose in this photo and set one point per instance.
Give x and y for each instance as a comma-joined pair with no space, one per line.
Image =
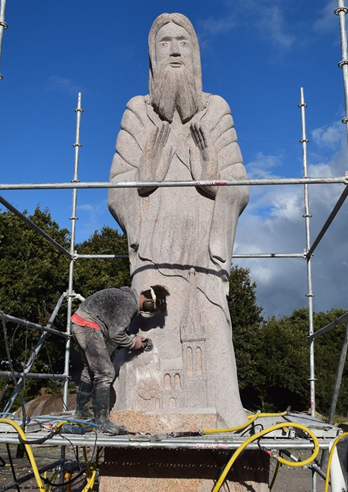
174,48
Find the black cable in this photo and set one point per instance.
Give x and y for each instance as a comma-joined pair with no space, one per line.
62,484
99,449
222,467
12,467
36,441
74,450
96,449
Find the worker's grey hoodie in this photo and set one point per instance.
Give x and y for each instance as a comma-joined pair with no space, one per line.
113,310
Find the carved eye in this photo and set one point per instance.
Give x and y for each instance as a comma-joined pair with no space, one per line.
184,43
164,43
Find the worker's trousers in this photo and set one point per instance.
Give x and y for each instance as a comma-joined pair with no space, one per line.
96,354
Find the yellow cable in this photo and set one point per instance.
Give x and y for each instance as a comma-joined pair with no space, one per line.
90,477
88,467
59,425
90,483
28,450
330,459
251,419
233,429
281,460
47,488
281,414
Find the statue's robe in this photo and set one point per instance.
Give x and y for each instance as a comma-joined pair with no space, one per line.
182,238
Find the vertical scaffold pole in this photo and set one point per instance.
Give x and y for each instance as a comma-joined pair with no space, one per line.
307,218
3,26
341,11
73,219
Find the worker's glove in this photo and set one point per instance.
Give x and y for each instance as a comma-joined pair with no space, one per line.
140,342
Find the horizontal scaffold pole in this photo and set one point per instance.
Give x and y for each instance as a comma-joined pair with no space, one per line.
172,184
32,375
241,255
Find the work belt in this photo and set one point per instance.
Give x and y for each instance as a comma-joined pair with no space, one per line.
75,318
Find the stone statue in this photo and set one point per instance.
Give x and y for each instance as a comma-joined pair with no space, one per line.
181,237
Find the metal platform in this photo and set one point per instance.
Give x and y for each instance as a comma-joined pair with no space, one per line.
278,439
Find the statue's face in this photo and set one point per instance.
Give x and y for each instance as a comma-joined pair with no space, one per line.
173,41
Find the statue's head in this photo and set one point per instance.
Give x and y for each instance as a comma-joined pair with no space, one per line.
175,80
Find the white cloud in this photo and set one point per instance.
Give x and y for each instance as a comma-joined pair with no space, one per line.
275,21
326,21
272,25
61,84
263,165
274,223
329,136
213,26
93,216
266,17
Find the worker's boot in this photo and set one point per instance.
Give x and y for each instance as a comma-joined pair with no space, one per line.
84,394
101,407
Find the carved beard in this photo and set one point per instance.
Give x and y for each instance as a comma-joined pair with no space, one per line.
174,88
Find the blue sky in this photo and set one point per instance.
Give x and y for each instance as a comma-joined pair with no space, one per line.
256,54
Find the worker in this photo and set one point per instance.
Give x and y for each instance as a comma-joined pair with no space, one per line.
99,327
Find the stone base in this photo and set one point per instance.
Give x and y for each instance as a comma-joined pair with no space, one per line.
141,421
172,470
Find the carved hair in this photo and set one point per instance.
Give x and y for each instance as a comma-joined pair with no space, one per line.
184,22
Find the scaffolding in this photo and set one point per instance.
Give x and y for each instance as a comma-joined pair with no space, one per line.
71,254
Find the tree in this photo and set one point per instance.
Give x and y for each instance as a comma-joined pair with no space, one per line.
33,275
91,275
246,318
283,362
327,348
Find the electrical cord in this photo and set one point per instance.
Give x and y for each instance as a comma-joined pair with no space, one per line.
37,441
251,419
87,469
28,451
91,479
275,474
221,466
63,484
345,434
281,460
51,479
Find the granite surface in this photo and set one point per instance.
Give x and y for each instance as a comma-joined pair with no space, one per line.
169,470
